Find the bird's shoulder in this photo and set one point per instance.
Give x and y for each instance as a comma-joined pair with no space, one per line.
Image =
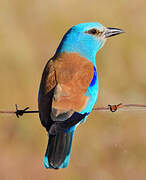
74,75
74,71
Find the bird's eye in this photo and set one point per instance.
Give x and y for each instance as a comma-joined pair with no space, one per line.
93,31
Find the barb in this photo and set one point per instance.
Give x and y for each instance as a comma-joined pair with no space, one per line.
120,106
19,112
109,108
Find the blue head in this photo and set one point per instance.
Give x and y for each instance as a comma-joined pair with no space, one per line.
86,39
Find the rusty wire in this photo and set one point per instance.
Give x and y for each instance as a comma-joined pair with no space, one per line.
109,108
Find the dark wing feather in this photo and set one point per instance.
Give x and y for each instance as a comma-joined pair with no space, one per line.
46,92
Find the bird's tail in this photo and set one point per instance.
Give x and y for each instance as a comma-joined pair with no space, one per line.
59,149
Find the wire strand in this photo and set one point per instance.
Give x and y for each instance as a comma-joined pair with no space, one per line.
108,108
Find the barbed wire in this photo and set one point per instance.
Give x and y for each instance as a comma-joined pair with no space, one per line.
18,112
109,108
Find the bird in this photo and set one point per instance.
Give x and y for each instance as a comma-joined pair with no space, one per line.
69,88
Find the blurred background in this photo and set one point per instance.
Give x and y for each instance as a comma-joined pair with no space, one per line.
109,146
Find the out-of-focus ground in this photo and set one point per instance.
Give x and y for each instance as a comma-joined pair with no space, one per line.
109,146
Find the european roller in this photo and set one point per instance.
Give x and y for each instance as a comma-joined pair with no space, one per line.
69,88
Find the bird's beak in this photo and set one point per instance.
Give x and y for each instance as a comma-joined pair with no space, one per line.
112,32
